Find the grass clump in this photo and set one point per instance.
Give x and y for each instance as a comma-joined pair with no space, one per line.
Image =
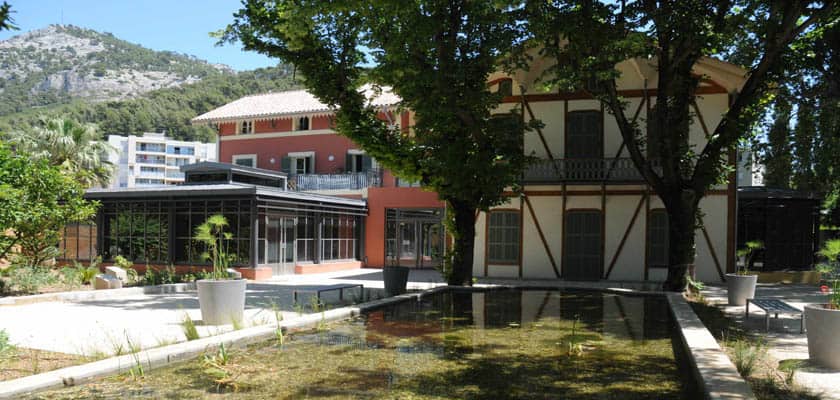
746,355
189,328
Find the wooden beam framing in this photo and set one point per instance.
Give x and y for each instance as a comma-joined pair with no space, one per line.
624,238
542,236
539,130
700,118
634,192
582,95
712,250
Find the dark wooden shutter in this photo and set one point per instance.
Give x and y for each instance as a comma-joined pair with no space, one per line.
286,164
582,245
584,138
367,163
348,163
506,87
657,238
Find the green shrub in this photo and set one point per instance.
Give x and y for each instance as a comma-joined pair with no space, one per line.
86,274
29,280
132,275
123,263
6,348
70,276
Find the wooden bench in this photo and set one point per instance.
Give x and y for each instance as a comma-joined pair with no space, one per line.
774,306
340,288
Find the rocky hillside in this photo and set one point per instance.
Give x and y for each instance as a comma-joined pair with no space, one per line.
61,63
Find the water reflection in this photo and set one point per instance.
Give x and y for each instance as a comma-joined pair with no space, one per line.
422,326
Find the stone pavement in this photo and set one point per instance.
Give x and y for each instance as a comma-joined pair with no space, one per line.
104,327
784,340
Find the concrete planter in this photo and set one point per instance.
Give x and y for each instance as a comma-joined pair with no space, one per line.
823,339
740,288
396,279
221,301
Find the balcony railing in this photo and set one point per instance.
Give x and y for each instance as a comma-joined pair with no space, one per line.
348,181
588,170
150,160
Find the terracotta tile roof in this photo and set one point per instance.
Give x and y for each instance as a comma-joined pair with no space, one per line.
291,102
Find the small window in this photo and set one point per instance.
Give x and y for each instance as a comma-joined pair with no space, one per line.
245,160
503,237
303,124
657,239
506,87
246,127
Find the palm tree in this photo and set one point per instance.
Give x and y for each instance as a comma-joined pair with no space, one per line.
75,148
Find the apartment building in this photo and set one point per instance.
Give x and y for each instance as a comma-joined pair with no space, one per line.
154,159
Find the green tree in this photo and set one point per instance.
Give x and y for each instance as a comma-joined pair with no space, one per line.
597,35
436,55
75,148
809,85
36,202
776,152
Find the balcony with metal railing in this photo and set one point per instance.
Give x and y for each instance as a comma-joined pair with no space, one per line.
346,181
583,170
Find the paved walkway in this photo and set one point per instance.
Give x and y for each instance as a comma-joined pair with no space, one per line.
784,340
103,327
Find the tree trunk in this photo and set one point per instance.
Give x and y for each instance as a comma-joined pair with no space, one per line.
462,230
682,223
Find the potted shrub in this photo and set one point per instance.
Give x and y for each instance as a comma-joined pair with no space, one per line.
396,279
741,285
823,320
222,299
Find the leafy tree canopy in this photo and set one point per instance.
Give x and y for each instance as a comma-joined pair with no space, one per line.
588,38
36,202
437,56
77,149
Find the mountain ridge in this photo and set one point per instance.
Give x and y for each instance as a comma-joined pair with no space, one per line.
43,84
58,63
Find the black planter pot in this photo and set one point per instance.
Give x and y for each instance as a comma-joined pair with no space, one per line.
396,279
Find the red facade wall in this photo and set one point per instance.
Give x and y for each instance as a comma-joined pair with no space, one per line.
227,128
273,125
321,122
268,148
390,197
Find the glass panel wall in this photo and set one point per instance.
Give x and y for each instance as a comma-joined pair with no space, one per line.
339,238
78,242
140,230
306,238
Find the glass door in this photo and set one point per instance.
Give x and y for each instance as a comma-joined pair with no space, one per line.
414,237
280,244
408,244
288,258
273,237
431,243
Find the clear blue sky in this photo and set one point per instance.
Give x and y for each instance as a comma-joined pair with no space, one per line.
175,25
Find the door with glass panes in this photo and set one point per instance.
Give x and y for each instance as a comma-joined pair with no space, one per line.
280,244
414,237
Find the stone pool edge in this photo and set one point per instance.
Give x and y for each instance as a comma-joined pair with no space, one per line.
162,356
713,371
